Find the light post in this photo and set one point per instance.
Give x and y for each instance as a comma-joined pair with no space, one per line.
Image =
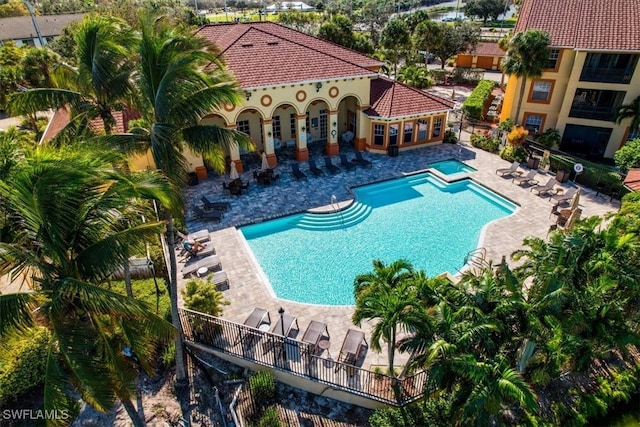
284,348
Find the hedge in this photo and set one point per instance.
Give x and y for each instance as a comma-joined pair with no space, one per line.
474,104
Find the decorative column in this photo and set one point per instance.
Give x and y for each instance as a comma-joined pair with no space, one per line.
360,140
267,131
302,153
234,151
332,148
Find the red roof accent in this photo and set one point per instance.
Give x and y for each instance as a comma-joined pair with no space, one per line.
487,49
57,122
632,180
61,118
266,54
584,24
390,99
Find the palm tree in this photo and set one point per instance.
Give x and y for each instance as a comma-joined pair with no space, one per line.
175,93
527,55
100,84
64,208
388,294
629,111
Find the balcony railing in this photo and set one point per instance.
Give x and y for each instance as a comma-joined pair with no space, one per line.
298,358
606,75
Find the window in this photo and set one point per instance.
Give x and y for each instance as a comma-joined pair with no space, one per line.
393,134
292,124
634,134
533,123
378,135
408,133
276,127
585,141
323,124
243,126
423,125
437,127
608,68
554,56
596,104
541,91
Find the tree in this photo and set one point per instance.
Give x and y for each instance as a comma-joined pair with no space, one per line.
337,30
485,9
426,36
396,41
13,8
14,144
10,71
415,76
101,82
455,39
628,156
175,93
65,239
527,55
629,111
301,21
201,295
388,294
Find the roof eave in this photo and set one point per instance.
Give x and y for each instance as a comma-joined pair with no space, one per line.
301,82
410,116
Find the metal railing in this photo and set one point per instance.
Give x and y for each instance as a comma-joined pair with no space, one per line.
298,358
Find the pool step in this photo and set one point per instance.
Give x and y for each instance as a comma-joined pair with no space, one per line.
351,216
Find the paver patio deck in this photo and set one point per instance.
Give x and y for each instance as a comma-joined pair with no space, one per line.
248,288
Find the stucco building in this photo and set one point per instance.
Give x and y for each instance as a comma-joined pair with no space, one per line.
592,70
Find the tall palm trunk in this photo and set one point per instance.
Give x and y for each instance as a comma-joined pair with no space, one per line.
127,279
392,351
181,372
133,413
520,98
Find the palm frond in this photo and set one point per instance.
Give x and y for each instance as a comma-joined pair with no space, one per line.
16,311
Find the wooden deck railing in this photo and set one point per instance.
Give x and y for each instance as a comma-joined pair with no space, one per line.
297,358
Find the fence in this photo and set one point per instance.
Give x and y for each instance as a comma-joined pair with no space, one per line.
299,359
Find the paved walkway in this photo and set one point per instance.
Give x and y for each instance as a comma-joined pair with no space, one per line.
248,286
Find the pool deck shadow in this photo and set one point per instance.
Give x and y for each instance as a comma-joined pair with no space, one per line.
248,287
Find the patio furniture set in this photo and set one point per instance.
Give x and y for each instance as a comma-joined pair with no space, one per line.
203,262
330,167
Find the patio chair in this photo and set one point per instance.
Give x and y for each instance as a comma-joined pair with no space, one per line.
564,197
219,279
351,347
210,262
330,166
297,173
544,189
199,236
508,171
527,179
257,317
208,249
315,170
284,325
218,206
210,215
314,332
361,160
346,163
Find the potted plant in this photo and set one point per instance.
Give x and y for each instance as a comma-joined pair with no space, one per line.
544,161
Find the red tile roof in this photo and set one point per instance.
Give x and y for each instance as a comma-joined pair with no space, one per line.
632,181
60,119
391,99
266,54
487,49
584,24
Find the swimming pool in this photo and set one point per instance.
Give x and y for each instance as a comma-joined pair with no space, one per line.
314,258
451,167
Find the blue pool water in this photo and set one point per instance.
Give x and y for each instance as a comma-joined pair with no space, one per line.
451,167
314,258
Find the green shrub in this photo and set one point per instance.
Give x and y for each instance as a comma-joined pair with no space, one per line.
506,125
513,154
262,387
467,75
145,290
550,138
438,75
200,295
450,137
474,104
628,156
270,418
593,176
485,142
22,364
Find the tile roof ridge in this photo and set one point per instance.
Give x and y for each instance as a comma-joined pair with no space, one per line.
419,91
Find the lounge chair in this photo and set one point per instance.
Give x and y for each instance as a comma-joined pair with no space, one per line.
219,278
314,332
564,197
330,166
211,215
351,346
284,324
315,170
508,171
361,160
297,173
257,317
210,262
527,179
346,163
208,249
218,206
544,189
199,236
